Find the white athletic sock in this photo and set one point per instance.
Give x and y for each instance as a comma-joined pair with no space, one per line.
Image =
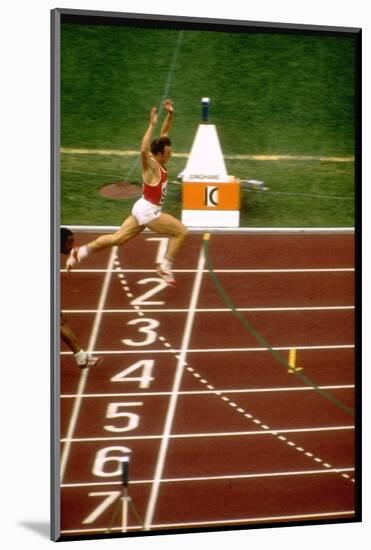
80,357
167,264
82,252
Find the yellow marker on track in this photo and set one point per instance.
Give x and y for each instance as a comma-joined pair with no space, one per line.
292,360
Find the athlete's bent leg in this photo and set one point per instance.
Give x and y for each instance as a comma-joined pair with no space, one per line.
68,336
166,224
82,358
129,229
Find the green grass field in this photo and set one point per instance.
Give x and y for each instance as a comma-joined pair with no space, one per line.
271,94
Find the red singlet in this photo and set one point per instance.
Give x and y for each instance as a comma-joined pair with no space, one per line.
156,193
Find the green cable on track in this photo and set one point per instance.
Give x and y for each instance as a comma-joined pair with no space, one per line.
262,341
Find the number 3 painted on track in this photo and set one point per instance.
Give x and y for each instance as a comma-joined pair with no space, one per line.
151,335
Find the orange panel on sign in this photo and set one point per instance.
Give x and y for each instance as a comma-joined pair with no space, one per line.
211,196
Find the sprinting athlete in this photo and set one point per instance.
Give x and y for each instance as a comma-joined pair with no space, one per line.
82,358
146,211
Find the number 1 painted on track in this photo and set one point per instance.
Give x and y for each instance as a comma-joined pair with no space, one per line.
163,241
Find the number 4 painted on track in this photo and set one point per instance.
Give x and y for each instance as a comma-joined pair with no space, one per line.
145,365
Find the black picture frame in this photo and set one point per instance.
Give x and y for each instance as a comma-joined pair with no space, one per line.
146,21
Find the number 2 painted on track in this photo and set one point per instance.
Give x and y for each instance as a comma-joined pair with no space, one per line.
143,299
148,330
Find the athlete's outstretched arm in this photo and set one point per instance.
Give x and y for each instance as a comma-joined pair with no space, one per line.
168,122
146,141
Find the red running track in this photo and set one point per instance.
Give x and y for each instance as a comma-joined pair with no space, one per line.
218,432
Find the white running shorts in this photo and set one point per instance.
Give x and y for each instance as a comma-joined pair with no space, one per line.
145,212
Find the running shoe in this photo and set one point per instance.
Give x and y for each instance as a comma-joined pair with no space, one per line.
92,361
167,276
72,259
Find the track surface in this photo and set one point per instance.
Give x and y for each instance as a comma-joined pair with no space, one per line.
218,432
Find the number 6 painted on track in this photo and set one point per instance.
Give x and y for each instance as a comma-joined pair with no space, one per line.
103,457
151,335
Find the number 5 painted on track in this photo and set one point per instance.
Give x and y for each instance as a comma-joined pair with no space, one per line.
131,419
151,335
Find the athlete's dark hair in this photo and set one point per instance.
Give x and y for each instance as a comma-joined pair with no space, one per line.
65,233
158,145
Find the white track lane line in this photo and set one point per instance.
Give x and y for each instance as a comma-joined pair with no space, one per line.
295,473
85,372
223,522
175,392
217,310
222,350
212,392
202,435
323,270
